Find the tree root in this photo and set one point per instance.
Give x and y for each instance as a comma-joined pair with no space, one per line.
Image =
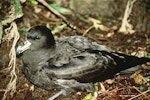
126,27
12,33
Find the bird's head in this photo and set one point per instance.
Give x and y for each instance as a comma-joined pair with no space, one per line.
37,37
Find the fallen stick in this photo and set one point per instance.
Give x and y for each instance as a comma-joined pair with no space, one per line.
43,2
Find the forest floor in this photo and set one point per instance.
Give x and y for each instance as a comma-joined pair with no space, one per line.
131,86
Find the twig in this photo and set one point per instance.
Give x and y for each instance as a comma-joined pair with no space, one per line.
139,95
140,92
2,90
86,31
57,94
59,15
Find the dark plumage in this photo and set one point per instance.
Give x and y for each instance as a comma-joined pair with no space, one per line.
70,62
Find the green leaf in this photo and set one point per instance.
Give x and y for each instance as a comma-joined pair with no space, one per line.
61,9
147,57
23,31
96,86
100,18
143,88
58,28
33,2
88,97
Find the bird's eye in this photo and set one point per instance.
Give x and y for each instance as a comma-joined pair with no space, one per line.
33,37
37,37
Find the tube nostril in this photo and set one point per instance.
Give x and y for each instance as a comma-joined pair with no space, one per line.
20,49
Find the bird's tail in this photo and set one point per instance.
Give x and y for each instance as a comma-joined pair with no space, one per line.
127,61
123,61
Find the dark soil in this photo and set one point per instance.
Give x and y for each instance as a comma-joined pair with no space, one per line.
123,86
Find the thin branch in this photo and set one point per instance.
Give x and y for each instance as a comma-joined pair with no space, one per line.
86,31
139,95
43,2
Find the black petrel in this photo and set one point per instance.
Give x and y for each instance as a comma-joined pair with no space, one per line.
71,62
